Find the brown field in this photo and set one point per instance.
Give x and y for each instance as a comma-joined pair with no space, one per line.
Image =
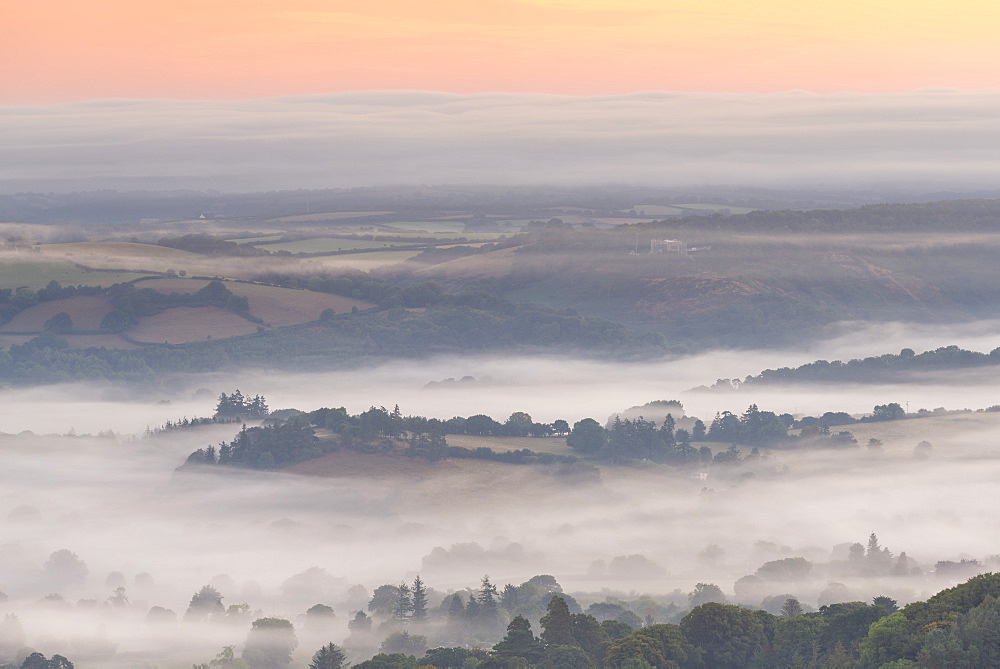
479,484
86,312
188,324
352,464
81,250
494,264
275,306
555,445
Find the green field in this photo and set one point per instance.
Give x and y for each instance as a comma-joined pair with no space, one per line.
684,209
330,245
444,227
252,240
36,274
656,210
731,208
330,216
359,261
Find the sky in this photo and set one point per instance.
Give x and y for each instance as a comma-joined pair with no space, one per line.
70,50
265,94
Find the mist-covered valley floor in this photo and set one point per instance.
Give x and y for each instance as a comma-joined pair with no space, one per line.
91,502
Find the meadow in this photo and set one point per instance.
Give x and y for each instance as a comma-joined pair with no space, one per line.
34,271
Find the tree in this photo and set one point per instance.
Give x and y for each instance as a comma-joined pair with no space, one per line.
567,657
557,626
519,642
518,424
384,600
589,634
64,568
61,323
405,643
587,437
796,640
226,659
728,635
404,603
270,643
38,661
418,602
204,603
891,411
704,593
888,603
560,427
361,623
791,608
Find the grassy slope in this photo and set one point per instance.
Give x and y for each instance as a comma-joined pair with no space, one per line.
35,271
85,310
275,306
189,324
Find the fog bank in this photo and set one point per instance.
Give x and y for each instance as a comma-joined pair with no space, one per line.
928,139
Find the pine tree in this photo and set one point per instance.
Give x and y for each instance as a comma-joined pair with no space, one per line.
418,601
557,626
404,603
329,657
519,642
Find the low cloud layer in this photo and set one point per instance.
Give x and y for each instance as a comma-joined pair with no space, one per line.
927,139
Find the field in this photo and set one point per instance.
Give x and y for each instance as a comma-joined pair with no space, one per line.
86,312
329,245
275,306
330,216
360,261
487,265
188,324
251,240
126,255
555,445
656,210
35,271
685,209
477,483
447,227
899,437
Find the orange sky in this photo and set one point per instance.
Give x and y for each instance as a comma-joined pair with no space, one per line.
67,50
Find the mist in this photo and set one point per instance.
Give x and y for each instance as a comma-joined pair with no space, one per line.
282,542
923,139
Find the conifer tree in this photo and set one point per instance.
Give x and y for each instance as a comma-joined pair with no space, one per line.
418,601
557,626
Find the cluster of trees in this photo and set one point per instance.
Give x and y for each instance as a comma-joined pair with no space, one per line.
971,214
38,661
473,322
640,439
265,447
883,368
15,300
237,406
954,628
131,302
293,438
